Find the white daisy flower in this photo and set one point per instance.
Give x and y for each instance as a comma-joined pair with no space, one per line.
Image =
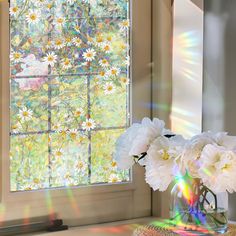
124,25
58,43
99,41
14,10
56,127
72,133
77,41
113,178
49,6
80,166
88,124
25,114
33,17
51,58
114,71
89,55
15,128
68,41
89,40
114,165
77,28
66,63
67,177
16,57
106,47
60,21
104,63
103,74
109,88
62,131
79,112
125,80
49,44
58,153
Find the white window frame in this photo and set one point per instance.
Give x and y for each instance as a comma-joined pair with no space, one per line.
90,204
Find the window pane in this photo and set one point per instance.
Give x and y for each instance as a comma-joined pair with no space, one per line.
69,91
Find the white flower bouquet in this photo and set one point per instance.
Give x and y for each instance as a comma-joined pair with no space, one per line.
210,157
203,166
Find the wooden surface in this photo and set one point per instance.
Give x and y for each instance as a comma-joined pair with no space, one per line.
149,230
121,228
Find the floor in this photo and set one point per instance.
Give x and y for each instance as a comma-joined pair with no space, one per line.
122,228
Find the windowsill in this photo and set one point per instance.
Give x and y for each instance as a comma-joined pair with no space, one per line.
119,228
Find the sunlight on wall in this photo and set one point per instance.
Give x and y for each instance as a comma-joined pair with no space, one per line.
186,114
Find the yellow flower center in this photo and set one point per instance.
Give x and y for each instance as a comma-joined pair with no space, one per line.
14,127
15,9
67,176
113,72
28,188
25,113
89,54
58,153
89,124
60,20
36,181
58,42
123,46
107,48
78,41
17,55
78,113
33,17
73,135
226,167
165,155
80,165
113,164
109,38
124,80
68,39
67,62
50,58
102,73
114,180
109,88
125,23
49,6
99,40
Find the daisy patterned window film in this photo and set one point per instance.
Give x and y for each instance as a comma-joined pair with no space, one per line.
70,99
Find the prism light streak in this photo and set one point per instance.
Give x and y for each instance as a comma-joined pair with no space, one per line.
73,201
49,204
2,213
183,229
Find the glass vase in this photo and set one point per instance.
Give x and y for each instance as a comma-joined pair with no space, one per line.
197,209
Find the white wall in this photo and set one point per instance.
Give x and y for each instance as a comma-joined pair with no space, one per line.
186,114
219,113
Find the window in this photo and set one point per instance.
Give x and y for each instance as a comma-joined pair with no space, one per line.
46,95
69,91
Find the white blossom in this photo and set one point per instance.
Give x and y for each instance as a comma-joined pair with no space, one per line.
218,168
